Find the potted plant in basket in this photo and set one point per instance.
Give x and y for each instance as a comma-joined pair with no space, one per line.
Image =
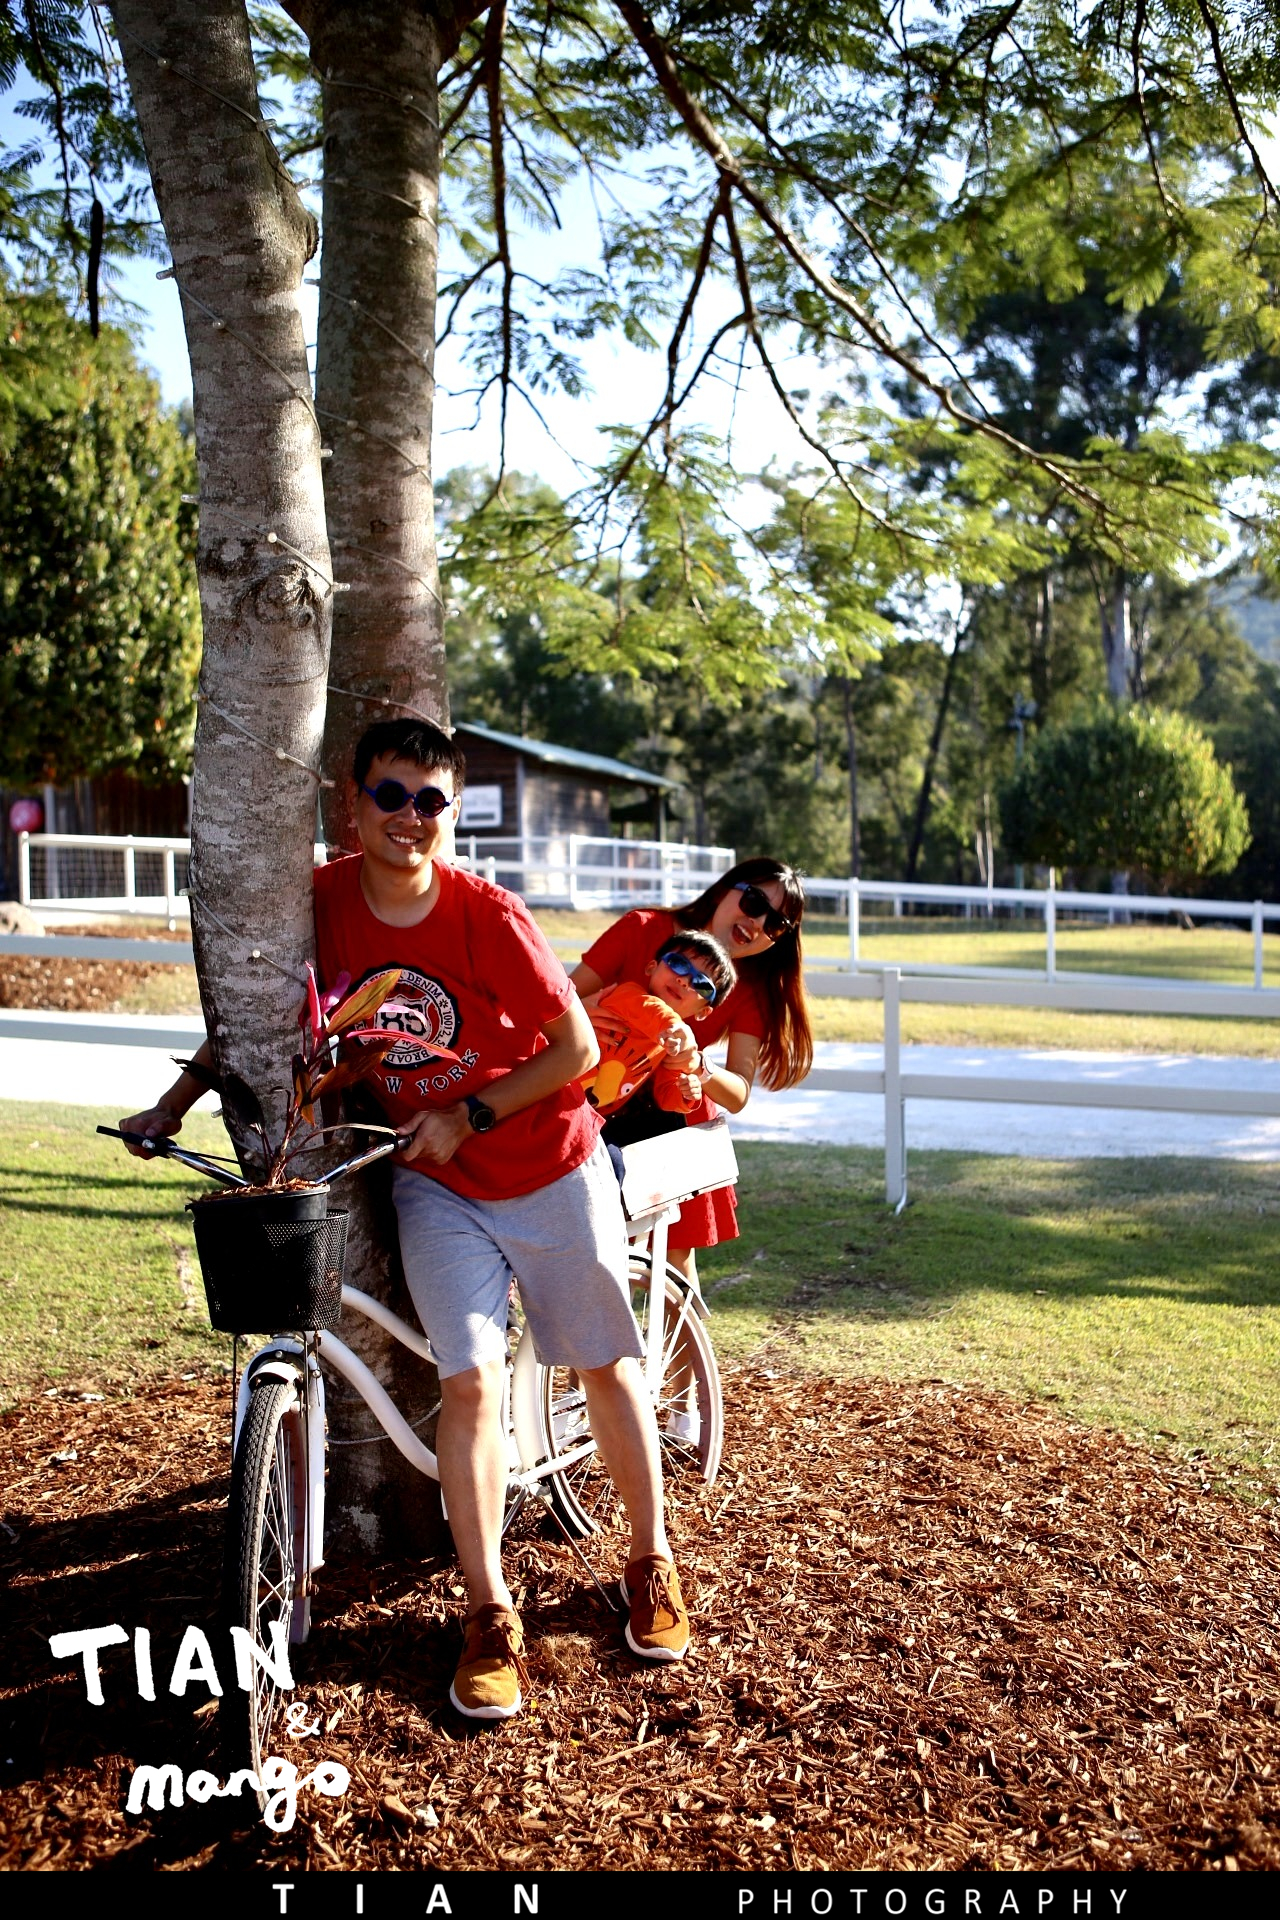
271,1251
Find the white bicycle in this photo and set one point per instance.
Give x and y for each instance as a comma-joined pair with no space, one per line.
275,1516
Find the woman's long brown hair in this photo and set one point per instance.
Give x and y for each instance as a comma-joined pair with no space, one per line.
786,1051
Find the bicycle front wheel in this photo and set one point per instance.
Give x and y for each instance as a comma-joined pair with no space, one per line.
264,1572
689,1406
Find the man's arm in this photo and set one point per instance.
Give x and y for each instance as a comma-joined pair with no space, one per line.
166,1117
571,1049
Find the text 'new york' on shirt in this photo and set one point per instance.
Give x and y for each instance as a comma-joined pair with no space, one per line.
476,976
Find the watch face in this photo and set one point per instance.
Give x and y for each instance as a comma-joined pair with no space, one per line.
482,1118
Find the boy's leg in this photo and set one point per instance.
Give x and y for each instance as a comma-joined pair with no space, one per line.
460,1284
472,1452
626,1432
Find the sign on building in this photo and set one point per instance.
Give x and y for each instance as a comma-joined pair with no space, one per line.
481,807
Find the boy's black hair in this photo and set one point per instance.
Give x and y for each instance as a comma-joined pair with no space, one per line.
427,745
709,954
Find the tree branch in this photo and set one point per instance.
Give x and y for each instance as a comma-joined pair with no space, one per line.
757,339
1264,178
494,29
727,163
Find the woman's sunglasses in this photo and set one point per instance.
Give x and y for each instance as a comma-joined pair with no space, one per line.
390,796
758,906
681,965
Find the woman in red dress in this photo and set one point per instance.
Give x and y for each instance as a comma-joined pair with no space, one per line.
754,911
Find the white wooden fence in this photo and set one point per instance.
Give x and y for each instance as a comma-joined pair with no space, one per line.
1048,902
126,875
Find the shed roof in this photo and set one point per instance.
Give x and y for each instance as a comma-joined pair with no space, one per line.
551,755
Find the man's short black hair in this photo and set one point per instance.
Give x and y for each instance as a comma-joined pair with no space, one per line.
708,956
427,745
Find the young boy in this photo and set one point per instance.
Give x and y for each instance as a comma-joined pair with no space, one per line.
505,1175
644,1037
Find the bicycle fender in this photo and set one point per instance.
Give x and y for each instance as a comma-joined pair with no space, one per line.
677,1279
275,1362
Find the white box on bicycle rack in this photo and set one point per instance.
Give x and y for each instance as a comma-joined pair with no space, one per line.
673,1167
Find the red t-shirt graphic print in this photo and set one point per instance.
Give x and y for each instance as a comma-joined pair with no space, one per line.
478,977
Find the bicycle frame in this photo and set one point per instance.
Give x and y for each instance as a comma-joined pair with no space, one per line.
660,1175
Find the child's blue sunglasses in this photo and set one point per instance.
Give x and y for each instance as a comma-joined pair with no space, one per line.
702,985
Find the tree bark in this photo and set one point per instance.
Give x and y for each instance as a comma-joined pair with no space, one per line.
240,239
374,366
374,393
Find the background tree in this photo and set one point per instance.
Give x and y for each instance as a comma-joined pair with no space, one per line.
1126,789
99,621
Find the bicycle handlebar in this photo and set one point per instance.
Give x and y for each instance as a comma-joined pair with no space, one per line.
166,1149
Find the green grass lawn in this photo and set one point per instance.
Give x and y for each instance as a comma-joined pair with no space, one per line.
99,1285
1140,1294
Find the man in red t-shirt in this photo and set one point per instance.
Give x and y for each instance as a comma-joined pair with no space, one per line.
505,1175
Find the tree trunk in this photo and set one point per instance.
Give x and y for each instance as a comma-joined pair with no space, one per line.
374,391
240,238
931,758
851,750
1042,643
1116,648
374,360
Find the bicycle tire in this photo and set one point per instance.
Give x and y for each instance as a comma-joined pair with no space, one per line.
265,1547
584,1495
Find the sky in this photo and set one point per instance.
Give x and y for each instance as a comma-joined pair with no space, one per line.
625,382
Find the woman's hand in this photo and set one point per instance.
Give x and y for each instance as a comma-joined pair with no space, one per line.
730,1086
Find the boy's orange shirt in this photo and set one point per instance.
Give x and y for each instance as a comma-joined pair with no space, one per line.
629,1025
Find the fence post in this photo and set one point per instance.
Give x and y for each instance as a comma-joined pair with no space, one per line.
490,871
855,924
24,868
1257,944
130,877
895,1132
1051,931
170,890
573,871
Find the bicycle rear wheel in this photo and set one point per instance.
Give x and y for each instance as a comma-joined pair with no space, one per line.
265,1561
689,1408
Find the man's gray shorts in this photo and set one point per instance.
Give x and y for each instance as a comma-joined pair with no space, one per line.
566,1246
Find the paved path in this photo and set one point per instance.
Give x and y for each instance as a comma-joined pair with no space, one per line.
128,1074
849,1119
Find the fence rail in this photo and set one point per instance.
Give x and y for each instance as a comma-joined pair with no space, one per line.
1048,901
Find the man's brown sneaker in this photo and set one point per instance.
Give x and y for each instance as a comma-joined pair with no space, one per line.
658,1627
491,1673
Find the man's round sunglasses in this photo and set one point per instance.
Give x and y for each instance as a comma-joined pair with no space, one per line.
681,965
390,796
758,906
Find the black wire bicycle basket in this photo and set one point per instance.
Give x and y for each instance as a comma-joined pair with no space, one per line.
271,1260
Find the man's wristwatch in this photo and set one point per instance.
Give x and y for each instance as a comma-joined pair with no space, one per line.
483,1119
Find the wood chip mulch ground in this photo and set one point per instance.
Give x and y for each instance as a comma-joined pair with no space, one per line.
935,1628
59,985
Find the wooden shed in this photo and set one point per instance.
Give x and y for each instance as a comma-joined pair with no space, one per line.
536,808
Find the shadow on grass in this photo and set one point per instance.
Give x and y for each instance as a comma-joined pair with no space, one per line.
817,1233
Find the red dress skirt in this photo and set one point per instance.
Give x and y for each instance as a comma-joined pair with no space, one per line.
711,1217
